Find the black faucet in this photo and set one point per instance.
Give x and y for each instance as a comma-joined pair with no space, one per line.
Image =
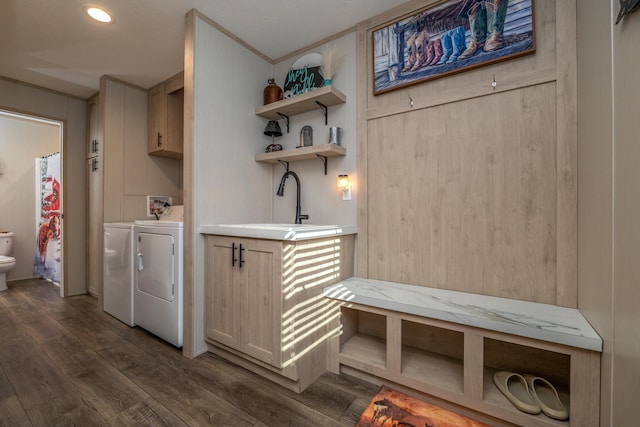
299,216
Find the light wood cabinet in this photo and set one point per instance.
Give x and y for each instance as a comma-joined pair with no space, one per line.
94,143
94,174
245,302
264,308
166,106
456,363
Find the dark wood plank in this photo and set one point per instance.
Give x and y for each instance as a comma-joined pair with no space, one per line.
12,413
148,413
66,410
33,376
63,361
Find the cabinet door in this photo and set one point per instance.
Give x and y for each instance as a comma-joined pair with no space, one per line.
93,141
157,118
94,225
261,327
175,128
220,312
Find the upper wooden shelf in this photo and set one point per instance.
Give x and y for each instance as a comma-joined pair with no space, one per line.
327,95
302,153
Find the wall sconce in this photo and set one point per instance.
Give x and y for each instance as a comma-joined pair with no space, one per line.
345,185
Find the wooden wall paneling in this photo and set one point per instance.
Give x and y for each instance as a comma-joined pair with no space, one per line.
189,321
412,227
361,132
468,191
567,157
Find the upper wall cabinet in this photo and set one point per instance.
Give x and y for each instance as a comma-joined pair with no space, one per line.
166,105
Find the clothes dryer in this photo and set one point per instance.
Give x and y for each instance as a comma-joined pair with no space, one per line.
158,295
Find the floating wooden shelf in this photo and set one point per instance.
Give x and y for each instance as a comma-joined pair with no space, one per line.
302,153
317,99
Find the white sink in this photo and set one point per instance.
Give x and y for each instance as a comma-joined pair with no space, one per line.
277,231
282,227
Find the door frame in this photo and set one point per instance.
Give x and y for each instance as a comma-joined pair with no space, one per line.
62,143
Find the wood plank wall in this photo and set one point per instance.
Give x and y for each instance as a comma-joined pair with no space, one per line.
472,188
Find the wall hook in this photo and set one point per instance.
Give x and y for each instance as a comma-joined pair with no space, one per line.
494,83
410,100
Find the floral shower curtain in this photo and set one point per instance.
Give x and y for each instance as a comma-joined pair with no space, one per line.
47,262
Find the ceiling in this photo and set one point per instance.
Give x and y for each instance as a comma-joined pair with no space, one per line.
53,44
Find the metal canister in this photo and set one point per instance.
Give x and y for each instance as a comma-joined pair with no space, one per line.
335,135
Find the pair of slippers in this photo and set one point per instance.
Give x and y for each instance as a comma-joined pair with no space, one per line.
531,394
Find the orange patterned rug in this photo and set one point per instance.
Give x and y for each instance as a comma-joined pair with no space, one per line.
390,408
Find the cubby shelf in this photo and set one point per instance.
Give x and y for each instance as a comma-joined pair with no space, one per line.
400,342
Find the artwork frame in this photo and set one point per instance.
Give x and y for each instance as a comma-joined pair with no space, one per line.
450,37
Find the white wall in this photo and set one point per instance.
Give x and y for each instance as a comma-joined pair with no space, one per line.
21,141
73,112
228,185
321,199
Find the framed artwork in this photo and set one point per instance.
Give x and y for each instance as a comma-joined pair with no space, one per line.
448,37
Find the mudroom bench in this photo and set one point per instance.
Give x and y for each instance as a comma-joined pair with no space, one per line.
447,345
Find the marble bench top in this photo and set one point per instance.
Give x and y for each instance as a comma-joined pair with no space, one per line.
545,322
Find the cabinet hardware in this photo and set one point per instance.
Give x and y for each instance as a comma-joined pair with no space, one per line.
286,119
241,260
159,139
324,110
233,255
285,164
324,161
94,165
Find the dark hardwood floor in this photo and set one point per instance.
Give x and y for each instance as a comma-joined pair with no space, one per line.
66,362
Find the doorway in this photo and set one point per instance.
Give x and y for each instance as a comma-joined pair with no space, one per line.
25,141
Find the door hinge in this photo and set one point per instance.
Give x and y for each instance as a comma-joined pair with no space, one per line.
173,292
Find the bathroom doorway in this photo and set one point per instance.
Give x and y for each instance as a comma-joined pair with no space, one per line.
27,190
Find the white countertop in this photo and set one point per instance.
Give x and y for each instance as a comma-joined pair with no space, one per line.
546,322
291,232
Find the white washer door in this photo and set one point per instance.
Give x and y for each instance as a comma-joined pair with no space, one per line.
155,265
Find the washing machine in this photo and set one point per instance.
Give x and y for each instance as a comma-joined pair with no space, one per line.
118,278
158,291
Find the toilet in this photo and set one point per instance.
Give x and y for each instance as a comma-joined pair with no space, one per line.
6,262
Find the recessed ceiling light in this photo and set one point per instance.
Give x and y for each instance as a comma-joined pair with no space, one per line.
99,14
